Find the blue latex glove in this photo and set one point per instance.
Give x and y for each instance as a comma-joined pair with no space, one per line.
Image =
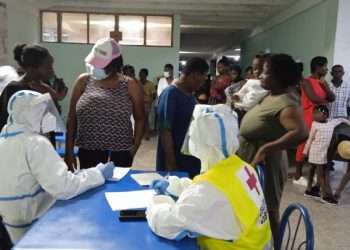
160,186
106,169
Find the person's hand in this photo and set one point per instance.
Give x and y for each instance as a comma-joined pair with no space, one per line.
323,81
133,152
259,157
71,162
160,186
303,158
106,169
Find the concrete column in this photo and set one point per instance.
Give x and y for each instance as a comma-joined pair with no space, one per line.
342,37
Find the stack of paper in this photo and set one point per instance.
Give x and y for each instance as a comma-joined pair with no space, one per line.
129,200
119,173
146,179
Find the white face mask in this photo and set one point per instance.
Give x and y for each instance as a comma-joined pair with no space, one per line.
97,74
48,123
166,74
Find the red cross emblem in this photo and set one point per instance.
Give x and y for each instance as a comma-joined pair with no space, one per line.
251,180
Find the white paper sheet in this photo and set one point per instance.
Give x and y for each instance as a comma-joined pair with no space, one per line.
129,200
146,179
119,173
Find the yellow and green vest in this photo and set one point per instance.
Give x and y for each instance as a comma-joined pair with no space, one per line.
239,183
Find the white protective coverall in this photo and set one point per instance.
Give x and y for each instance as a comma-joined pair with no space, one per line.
201,208
32,175
7,75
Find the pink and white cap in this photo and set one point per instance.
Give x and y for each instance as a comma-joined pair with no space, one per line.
103,52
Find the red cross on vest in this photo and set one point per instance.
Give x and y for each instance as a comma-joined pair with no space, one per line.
252,181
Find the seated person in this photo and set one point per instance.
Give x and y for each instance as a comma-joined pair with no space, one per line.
316,150
224,206
32,174
344,152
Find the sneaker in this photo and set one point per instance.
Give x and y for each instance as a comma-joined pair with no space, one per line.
314,193
301,181
329,201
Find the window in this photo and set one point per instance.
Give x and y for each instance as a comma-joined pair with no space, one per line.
159,30
100,26
132,29
87,28
74,28
49,28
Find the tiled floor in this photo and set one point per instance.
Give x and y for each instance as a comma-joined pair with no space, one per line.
331,224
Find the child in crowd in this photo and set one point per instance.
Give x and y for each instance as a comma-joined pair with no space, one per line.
251,93
316,149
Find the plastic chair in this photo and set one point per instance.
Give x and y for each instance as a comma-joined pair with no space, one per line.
60,142
260,171
285,223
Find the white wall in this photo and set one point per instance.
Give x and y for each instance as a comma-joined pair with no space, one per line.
342,37
24,27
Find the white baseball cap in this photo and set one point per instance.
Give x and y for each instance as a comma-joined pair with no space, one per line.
104,51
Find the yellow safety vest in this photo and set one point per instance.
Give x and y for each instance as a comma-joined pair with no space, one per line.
239,183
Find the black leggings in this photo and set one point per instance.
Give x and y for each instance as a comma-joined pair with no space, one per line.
90,158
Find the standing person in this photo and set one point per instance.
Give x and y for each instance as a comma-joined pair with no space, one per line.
167,80
175,109
149,95
129,71
272,126
17,52
102,103
37,63
314,91
203,93
316,149
32,175
248,73
237,81
341,90
221,82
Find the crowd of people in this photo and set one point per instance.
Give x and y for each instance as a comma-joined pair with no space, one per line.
276,109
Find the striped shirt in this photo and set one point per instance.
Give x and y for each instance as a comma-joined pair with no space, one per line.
338,108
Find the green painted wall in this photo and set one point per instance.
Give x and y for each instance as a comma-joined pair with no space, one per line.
308,34
24,27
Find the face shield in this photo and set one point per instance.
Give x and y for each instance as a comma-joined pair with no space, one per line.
212,135
34,112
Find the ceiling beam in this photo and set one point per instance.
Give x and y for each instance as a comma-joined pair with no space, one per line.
213,26
188,30
198,2
248,19
224,14
173,7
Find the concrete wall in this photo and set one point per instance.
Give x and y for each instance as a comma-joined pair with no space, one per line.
309,33
24,27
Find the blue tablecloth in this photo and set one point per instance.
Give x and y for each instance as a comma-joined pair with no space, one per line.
87,222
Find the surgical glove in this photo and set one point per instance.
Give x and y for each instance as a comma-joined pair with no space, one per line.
160,186
106,169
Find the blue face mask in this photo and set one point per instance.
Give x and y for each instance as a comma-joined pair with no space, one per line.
97,74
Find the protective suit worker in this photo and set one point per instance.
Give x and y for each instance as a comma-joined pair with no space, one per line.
224,206
32,175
